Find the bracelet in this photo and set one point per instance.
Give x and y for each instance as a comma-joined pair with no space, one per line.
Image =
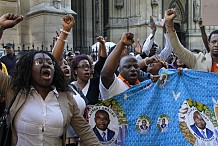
61,39
145,61
64,31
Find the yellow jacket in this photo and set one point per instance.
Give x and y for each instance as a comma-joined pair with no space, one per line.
4,69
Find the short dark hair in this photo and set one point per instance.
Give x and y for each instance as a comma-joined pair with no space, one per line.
103,112
213,32
78,58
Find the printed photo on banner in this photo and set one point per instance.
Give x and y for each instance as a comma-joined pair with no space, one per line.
108,122
200,122
143,124
163,123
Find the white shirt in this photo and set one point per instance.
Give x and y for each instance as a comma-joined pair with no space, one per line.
101,133
148,44
85,89
39,122
116,87
80,101
81,105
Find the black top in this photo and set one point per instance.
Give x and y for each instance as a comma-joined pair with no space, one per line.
93,91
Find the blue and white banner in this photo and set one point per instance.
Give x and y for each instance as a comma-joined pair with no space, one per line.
176,110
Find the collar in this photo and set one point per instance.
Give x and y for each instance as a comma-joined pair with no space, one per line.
126,82
53,89
201,129
101,131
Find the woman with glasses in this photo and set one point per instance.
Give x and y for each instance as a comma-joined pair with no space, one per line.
43,105
40,88
82,68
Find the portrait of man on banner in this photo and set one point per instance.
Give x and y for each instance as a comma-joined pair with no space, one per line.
102,120
201,122
143,124
104,123
164,125
144,127
163,122
199,126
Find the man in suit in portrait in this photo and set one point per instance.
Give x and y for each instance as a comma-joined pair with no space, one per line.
163,125
199,127
144,127
101,129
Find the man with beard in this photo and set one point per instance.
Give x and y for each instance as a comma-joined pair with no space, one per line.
203,62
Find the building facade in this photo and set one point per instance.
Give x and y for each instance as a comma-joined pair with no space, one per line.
109,18
42,18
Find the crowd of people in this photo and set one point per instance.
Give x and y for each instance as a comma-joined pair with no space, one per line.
58,87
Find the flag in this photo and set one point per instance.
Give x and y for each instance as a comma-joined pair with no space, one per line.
174,111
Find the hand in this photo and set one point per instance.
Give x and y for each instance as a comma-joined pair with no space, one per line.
200,23
127,38
138,47
152,59
170,15
67,22
10,20
152,25
101,39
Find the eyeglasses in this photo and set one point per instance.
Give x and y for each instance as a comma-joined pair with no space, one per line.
84,66
41,61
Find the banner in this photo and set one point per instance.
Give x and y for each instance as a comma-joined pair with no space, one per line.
176,110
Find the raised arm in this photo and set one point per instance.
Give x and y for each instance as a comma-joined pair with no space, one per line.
111,64
8,21
203,35
102,55
165,53
184,54
102,46
67,23
150,39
